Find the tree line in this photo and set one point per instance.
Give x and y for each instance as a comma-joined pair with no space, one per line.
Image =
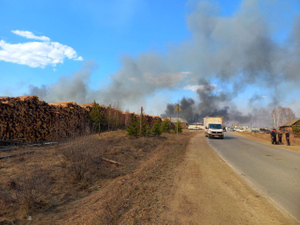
135,128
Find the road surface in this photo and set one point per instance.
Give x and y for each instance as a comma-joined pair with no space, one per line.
273,170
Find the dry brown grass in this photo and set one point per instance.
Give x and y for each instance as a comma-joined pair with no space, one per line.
49,184
141,197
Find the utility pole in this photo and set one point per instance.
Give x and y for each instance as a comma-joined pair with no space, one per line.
99,128
177,122
177,108
109,116
141,118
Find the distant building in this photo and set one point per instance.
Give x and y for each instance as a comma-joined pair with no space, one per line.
183,123
287,125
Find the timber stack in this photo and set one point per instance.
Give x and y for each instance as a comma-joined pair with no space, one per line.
31,120
28,117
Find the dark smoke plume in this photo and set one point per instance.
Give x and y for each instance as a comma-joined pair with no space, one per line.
187,106
211,103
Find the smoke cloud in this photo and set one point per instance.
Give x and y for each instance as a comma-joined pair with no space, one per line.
237,51
74,88
210,103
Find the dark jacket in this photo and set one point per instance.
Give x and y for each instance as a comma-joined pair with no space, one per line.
287,135
273,133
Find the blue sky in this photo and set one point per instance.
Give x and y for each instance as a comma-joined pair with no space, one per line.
130,53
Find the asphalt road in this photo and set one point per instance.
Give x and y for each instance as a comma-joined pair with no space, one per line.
273,170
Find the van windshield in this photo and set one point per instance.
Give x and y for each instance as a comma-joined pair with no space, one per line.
215,126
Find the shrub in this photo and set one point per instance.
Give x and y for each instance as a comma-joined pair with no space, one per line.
82,160
133,128
179,128
296,129
79,159
156,130
146,130
96,116
165,126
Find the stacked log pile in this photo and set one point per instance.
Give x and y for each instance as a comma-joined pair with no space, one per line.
70,120
20,117
33,120
28,117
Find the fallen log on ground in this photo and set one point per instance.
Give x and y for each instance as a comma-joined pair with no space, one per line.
112,161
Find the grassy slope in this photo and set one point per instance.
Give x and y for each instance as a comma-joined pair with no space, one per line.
70,184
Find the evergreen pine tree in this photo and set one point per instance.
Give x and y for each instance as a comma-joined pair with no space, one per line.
146,130
165,126
179,128
133,128
96,116
156,131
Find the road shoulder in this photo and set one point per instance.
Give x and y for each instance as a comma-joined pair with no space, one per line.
267,141
208,191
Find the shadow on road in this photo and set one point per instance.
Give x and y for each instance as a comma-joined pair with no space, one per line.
225,137
229,137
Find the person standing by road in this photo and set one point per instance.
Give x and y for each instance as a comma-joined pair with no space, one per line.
279,137
287,136
273,136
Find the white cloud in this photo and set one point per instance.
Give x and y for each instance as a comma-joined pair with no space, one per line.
30,35
36,54
79,58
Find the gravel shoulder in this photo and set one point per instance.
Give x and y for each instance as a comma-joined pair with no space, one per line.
208,191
